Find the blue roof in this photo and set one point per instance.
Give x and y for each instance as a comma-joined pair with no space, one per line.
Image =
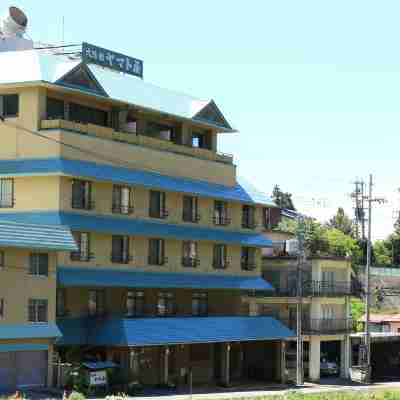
36,236
242,192
29,331
138,227
184,330
101,277
35,66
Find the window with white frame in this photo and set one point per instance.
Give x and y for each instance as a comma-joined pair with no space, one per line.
37,310
122,200
6,193
39,264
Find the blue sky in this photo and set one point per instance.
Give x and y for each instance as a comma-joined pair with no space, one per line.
312,86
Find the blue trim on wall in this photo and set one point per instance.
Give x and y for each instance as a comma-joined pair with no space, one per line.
241,192
103,277
138,227
29,331
5,348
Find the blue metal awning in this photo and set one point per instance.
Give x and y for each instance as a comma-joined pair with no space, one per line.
139,227
242,192
169,331
29,331
35,236
100,277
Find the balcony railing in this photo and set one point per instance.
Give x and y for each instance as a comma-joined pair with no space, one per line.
311,326
137,139
314,289
329,289
121,258
122,209
221,220
190,262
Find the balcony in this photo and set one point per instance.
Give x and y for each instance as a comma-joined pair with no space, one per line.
311,326
135,139
314,289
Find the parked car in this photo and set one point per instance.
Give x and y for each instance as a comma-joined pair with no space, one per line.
328,368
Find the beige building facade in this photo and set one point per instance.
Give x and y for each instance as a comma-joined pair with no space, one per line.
167,239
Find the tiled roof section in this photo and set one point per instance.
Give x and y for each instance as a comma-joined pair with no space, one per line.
35,66
36,236
139,227
29,331
242,192
162,331
103,277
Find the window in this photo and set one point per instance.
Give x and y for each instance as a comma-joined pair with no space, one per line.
96,303
165,304
6,193
9,105
120,249
37,310
248,259
82,240
82,195
271,217
190,209
201,140
157,252
221,213
2,259
160,131
60,302
1,308
134,303
157,204
122,201
87,115
219,259
248,217
55,108
189,254
199,304
39,264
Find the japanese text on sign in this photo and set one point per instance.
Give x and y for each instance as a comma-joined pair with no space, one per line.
110,59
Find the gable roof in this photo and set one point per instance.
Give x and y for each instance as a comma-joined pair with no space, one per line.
34,66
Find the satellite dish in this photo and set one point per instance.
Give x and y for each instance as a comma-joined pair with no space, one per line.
14,23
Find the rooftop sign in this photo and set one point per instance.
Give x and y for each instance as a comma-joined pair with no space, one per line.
111,59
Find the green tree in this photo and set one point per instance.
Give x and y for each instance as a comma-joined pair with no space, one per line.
282,199
342,222
383,252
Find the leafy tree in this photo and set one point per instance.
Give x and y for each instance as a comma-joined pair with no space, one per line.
282,199
341,222
383,252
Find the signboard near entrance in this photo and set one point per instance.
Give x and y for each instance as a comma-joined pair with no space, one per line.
111,59
98,378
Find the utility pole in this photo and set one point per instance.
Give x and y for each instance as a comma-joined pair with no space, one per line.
299,305
367,335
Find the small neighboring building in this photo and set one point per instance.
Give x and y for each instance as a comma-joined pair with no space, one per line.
383,323
326,322
28,328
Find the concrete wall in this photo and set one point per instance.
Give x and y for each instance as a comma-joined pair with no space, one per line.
17,286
